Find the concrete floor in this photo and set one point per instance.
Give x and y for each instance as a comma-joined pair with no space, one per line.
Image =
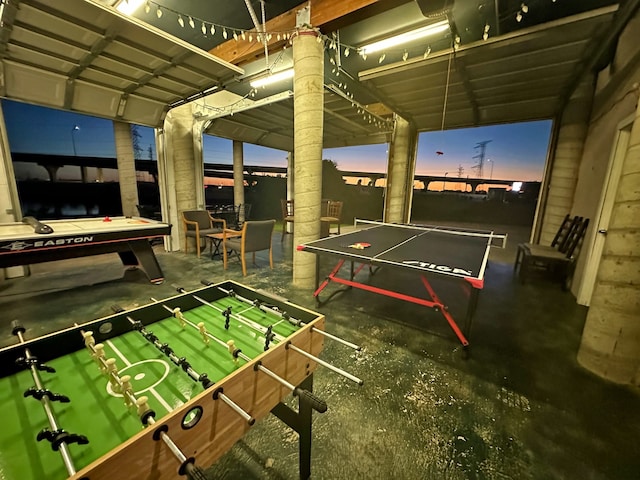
520,407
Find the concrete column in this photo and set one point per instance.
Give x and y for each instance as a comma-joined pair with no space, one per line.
126,168
238,175
401,167
308,101
181,169
10,210
610,344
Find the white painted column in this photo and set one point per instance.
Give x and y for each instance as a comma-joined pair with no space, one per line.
610,345
126,168
401,166
10,210
308,100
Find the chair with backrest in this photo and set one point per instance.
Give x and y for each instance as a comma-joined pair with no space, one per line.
557,244
287,214
256,235
198,224
332,215
558,258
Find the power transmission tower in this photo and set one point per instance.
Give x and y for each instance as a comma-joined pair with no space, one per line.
479,167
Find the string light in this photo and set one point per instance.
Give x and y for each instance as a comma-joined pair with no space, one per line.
330,42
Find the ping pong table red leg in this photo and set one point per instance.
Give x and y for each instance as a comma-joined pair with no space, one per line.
433,303
445,312
328,279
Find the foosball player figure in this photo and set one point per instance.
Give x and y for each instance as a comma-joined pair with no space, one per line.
227,315
180,316
112,371
268,337
126,389
203,331
89,341
235,352
98,355
143,409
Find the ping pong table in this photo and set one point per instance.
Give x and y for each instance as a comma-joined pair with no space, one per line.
445,252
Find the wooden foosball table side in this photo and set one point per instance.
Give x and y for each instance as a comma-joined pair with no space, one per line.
219,427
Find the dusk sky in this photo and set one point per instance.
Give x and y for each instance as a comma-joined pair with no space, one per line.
518,151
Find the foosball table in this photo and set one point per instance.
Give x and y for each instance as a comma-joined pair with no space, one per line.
159,391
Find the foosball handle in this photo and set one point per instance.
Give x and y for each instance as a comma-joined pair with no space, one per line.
194,472
16,327
309,398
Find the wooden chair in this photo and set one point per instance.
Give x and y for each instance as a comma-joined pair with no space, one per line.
333,215
558,258
198,224
255,236
287,215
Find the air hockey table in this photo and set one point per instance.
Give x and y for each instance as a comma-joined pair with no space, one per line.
158,391
31,241
456,254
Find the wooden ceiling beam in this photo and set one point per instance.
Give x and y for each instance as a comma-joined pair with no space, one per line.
322,12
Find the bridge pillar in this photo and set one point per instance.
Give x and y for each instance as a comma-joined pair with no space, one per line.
52,170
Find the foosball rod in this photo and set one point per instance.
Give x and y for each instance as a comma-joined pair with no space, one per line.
18,330
333,368
147,416
257,327
283,315
182,362
317,404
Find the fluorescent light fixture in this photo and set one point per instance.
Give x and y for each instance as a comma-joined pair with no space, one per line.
129,6
273,78
406,37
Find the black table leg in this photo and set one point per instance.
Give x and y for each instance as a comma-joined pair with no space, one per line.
300,421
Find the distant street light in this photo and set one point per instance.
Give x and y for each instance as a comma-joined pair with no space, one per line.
445,179
73,139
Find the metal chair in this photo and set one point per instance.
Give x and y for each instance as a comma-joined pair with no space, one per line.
333,215
256,236
198,224
287,215
243,212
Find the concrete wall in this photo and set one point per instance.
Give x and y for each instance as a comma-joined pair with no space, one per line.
610,344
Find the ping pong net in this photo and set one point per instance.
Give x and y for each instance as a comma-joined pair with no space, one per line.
495,239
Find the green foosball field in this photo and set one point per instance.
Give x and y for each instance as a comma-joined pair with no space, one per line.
165,388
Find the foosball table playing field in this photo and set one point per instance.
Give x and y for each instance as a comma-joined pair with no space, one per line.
160,391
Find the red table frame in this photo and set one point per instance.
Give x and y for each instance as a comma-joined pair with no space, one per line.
434,302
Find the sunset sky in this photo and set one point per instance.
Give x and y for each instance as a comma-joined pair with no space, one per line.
517,151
